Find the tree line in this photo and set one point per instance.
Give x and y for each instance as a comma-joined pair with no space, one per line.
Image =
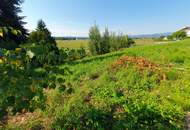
102,44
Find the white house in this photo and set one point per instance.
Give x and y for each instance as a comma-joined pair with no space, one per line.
187,30
165,38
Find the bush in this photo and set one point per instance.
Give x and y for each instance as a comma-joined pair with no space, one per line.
22,86
10,38
74,54
179,35
18,92
49,54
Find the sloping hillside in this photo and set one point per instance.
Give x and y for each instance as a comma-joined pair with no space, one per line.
144,87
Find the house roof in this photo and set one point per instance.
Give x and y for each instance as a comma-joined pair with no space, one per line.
186,28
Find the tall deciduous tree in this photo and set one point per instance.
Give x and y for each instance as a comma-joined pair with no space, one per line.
105,44
95,39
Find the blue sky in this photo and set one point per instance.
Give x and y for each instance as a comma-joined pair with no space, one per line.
75,17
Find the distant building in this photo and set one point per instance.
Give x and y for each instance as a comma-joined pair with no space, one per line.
187,30
165,38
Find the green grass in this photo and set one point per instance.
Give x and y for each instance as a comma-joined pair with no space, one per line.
145,41
97,96
140,96
75,44
72,44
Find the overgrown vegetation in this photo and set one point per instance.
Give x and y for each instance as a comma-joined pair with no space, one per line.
137,88
10,38
22,84
44,87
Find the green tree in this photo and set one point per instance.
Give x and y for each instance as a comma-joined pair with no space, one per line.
12,31
49,53
120,41
41,35
95,39
9,10
124,41
105,43
9,37
181,34
113,42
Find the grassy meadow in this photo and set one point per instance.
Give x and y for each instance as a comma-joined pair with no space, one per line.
109,81
143,87
72,44
76,44
155,98
144,41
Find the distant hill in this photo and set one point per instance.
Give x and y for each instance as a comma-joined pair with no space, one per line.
156,35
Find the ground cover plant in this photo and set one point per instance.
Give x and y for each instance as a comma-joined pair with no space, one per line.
107,82
143,87
72,44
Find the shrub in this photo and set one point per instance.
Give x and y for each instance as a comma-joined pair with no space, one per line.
17,90
10,38
181,34
82,52
22,86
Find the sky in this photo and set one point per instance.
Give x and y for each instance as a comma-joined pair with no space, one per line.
75,17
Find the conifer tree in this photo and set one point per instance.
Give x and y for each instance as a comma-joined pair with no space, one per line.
41,35
9,15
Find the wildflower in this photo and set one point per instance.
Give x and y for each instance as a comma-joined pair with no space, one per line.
18,50
1,33
1,61
30,54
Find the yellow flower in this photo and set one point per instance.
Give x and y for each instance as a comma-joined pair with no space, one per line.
18,50
1,34
18,63
1,61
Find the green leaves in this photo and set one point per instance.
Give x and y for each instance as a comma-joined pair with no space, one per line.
10,38
1,32
22,88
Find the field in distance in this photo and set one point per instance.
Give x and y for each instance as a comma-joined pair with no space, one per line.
75,44
72,44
